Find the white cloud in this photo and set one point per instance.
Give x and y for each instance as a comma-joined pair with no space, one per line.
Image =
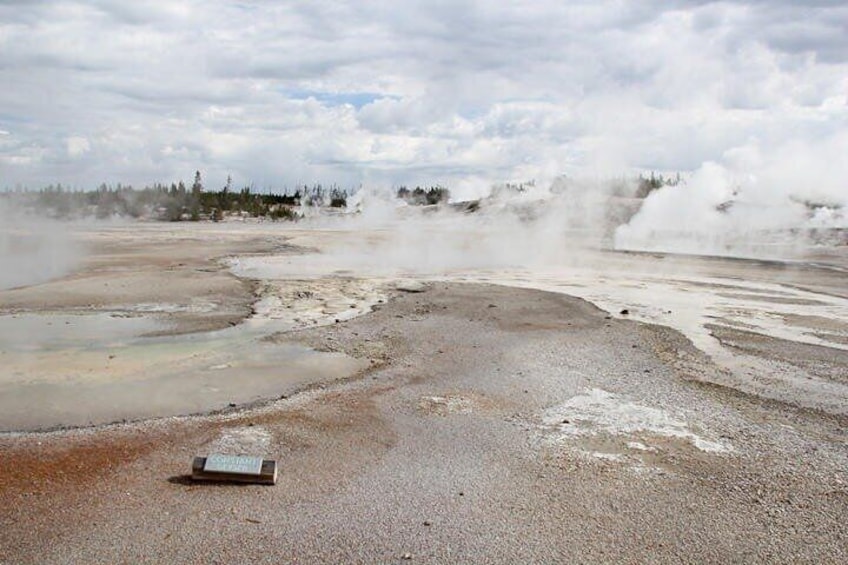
416,91
77,146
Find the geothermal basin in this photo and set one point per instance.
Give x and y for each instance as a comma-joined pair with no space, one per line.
439,393
68,364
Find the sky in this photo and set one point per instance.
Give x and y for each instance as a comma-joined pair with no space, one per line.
462,93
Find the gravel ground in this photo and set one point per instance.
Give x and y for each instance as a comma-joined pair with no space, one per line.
495,425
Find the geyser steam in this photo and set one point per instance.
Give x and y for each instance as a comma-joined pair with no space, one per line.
32,249
755,202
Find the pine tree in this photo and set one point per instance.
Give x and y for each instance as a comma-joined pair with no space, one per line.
197,186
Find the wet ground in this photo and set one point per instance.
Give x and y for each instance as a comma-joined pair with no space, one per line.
150,325
763,304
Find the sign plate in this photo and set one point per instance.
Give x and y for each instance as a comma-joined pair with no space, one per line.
235,464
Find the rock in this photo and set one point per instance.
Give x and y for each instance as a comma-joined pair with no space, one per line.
406,556
410,286
625,312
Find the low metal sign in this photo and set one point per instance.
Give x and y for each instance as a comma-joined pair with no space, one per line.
234,468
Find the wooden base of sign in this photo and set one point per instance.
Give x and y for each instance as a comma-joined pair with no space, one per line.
266,476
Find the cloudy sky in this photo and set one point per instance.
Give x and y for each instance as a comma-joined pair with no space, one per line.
460,92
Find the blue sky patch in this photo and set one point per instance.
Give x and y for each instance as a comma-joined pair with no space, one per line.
355,99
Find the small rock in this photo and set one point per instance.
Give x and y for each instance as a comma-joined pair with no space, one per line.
406,556
232,404
427,523
410,286
625,312
566,421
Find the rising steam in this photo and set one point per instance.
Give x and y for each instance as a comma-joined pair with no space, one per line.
755,203
33,249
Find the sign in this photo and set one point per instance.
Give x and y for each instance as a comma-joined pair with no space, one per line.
233,464
234,468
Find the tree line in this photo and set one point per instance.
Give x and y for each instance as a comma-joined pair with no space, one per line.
420,196
177,202
647,185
